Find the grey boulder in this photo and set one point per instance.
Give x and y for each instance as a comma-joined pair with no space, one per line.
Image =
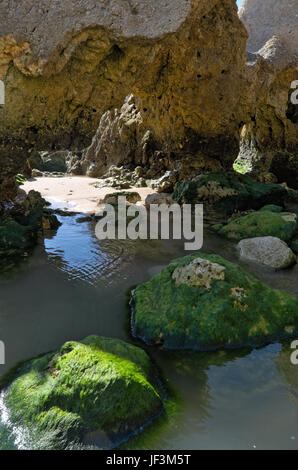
270,251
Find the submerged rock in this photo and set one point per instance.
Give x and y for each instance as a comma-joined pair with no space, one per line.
97,391
228,192
270,251
228,308
263,223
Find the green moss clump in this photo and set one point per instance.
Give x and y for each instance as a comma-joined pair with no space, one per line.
285,166
228,192
100,387
242,166
235,312
19,228
272,208
262,223
14,237
293,195
294,246
20,179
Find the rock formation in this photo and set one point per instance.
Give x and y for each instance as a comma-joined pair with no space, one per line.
270,251
66,64
96,392
228,308
272,67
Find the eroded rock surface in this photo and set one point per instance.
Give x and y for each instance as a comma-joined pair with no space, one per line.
272,64
65,65
200,273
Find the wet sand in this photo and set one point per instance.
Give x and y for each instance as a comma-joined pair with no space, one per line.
75,193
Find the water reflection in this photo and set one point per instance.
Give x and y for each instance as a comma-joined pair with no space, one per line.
74,285
288,371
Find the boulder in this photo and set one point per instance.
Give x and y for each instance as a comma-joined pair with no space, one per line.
270,251
272,208
19,226
294,246
227,193
282,225
98,391
15,238
285,166
204,302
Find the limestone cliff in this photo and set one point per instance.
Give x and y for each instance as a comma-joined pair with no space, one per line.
67,63
272,67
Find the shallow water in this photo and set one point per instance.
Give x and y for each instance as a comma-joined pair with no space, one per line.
74,285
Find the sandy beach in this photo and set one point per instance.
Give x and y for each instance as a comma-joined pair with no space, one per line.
75,193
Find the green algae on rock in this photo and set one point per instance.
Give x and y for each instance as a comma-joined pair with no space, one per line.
14,237
285,166
20,225
100,391
263,223
294,246
272,208
228,192
228,310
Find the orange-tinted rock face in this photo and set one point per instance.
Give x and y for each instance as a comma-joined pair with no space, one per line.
272,69
65,65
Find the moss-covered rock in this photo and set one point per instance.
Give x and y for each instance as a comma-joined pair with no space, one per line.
272,208
293,195
14,237
262,223
294,246
285,166
226,308
19,227
228,192
99,390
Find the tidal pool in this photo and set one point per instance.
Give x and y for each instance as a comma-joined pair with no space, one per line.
74,285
